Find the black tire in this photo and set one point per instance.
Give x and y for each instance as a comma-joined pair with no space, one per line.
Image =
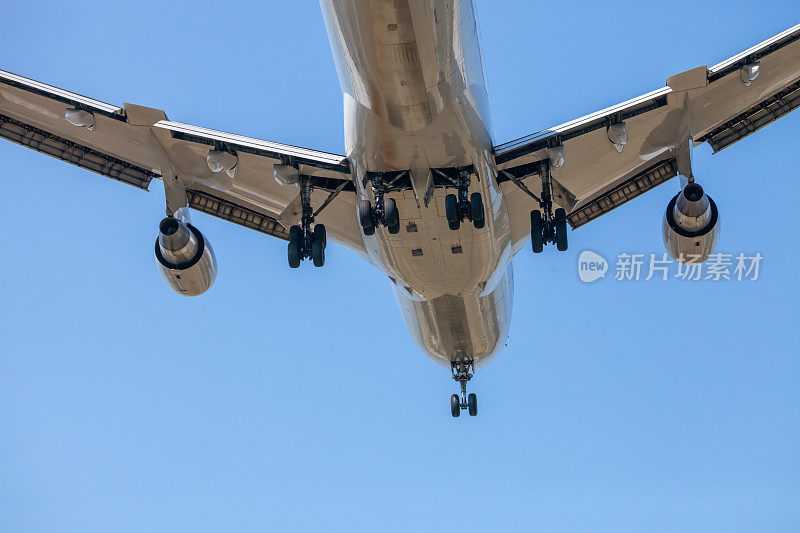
537,231
394,230
561,229
369,231
455,405
295,246
365,216
454,225
472,404
451,209
321,235
476,208
318,253
390,215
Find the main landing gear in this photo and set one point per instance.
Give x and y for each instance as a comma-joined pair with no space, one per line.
461,373
383,212
547,226
308,240
459,207
550,228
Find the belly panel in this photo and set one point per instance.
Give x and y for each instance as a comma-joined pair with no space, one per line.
451,328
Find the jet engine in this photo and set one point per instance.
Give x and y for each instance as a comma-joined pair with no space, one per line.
185,257
691,225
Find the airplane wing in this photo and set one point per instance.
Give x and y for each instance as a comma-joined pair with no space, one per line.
134,144
612,156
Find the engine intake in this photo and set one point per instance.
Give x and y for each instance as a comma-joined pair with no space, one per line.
691,227
185,257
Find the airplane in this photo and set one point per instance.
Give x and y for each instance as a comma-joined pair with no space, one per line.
423,192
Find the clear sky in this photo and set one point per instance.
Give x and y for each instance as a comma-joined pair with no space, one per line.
295,400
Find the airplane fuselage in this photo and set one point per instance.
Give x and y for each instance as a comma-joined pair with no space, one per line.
415,99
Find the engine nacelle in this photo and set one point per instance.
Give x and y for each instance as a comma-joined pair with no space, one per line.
691,225
185,257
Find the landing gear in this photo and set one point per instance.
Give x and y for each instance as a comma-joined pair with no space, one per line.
455,406
561,230
383,212
548,226
462,372
307,240
366,218
551,229
452,212
476,210
459,207
296,242
472,404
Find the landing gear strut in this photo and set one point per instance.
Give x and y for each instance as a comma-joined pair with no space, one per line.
459,207
308,240
383,212
462,372
548,226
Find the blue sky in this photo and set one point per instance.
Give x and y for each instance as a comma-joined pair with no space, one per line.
295,400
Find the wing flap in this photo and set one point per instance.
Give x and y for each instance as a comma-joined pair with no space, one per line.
42,114
232,212
75,153
626,191
758,116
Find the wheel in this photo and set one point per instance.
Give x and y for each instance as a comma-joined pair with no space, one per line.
321,235
476,207
390,215
394,230
472,404
537,231
365,216
295,246
318,253
455,405
369,231
451,209
561,229
454,224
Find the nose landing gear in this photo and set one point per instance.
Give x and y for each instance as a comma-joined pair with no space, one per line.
461,373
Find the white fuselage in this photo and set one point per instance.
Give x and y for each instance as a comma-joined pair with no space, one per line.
415,98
